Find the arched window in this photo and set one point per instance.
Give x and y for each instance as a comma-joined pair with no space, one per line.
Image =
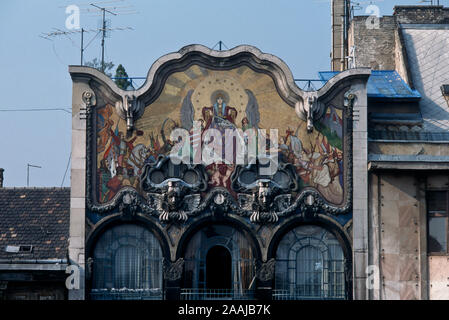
309,265
219,264
127,264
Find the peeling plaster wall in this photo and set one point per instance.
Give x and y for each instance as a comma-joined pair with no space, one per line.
438,278
373,47
397,235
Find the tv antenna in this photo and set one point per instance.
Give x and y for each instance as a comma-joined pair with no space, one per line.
103,29
28,172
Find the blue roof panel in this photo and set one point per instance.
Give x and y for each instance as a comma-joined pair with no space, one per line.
381,84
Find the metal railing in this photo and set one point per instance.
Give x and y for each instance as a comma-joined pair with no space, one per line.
280,294
216,294
126,294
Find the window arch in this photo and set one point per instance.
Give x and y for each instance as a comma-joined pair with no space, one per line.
127,264
237,264
309,265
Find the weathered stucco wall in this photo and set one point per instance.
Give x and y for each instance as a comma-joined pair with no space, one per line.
396,250
438,265
398,237
373,47
438,278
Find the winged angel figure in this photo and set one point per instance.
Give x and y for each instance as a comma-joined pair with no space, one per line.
264,204
173,204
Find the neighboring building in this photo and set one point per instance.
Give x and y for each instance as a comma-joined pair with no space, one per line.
406,231
34,229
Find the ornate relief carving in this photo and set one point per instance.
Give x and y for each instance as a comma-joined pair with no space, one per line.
89,98
263,204
265,270
156,175
309,109
129,109
174,204
129,205
247,177
264,196
173,270
170,188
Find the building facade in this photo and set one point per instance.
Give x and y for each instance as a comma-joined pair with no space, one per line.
174,195
149,222
407,150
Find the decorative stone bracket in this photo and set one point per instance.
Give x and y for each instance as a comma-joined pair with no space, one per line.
129,109
173,270
309,109
265,270
89,98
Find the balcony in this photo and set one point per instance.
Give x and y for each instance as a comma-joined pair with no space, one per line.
216,294
304,295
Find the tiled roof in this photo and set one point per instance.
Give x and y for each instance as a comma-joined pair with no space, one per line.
385,84
34,216
428,54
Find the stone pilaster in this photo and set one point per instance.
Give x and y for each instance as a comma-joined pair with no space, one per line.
78,186
360,194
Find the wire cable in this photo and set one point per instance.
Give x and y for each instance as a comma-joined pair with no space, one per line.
67,110
66,169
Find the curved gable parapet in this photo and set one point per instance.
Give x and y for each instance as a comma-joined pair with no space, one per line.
201,55
219,60
347,75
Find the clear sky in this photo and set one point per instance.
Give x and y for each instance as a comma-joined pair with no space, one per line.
34,71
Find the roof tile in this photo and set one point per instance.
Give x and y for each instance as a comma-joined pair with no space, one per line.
37,217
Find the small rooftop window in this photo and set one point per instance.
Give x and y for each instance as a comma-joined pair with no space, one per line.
18,249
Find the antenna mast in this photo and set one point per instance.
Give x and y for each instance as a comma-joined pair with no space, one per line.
118,10
103,29
28,172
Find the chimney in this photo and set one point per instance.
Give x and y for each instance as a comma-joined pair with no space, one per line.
1,177
340,13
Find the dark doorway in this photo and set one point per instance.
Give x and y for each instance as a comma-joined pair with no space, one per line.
218,268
